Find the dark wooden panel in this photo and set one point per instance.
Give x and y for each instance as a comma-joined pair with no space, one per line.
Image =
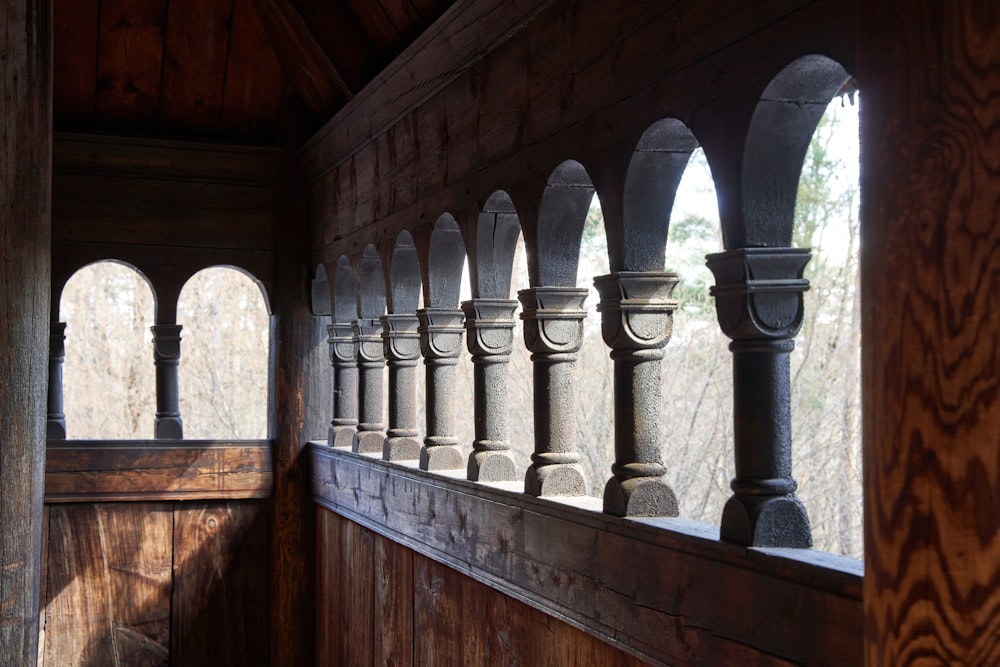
74,75
152,158
329,583
25,270
342,37
931,350
255,82
393,611
130,59
108,585
194,63
131,210
357,619
220,604
580,565
437,613
156,470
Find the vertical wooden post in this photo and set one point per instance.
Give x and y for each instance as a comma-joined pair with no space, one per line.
440,344
402,350
553,333
369,437
55,421
167,359
25,276
758,298
930,184
490,325
636,322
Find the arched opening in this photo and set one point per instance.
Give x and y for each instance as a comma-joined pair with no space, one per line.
224,355
108,385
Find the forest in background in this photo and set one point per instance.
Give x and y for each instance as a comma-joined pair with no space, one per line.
224,354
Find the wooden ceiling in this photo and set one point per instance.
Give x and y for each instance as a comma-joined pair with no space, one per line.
224,70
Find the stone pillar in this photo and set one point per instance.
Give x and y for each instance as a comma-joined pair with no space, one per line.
553,333
636,322
402,350
345,384
490,326
758,298
55,422
167,359
440,344
370,436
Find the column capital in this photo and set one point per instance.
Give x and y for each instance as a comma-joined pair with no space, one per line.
342,343
490,326
636,309
166,342
553,319
367,334
440,332
400,340
759,291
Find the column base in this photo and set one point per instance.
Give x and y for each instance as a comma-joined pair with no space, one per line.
401,449
767,521
55,429
441,457
556,479
640,496
368,442
168,428
491,467
341,436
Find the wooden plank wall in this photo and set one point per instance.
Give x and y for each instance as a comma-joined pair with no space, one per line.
155,583
379,602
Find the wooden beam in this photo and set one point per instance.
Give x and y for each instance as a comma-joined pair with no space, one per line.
107,471
25,238
313,76
664,589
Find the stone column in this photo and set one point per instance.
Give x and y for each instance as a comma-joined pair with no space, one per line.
55,422
167,359
440,344
402,350
636,322
345,384
370,436
758,298
490,326
553,333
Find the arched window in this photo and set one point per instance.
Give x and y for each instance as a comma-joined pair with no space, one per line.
108,383
224,355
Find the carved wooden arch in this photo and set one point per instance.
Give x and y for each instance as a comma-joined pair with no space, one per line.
442,268
404,276
371,285
494,245
561,217
654,173
345,300
59,287
780,130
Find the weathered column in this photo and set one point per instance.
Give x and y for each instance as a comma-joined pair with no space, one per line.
553,333
440,344
402,350
55,422
167,359
345,384
490,323
636,322
758,298
370,435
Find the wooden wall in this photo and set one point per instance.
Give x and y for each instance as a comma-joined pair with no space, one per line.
156,583
379,602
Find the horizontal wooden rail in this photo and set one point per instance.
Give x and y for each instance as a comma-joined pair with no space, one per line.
115,470
664,589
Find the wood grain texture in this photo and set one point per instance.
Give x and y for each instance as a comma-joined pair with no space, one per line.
930,277
75,61
393,604
109,584
692,601
154,470
357,621
25,237
329,583
219,612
